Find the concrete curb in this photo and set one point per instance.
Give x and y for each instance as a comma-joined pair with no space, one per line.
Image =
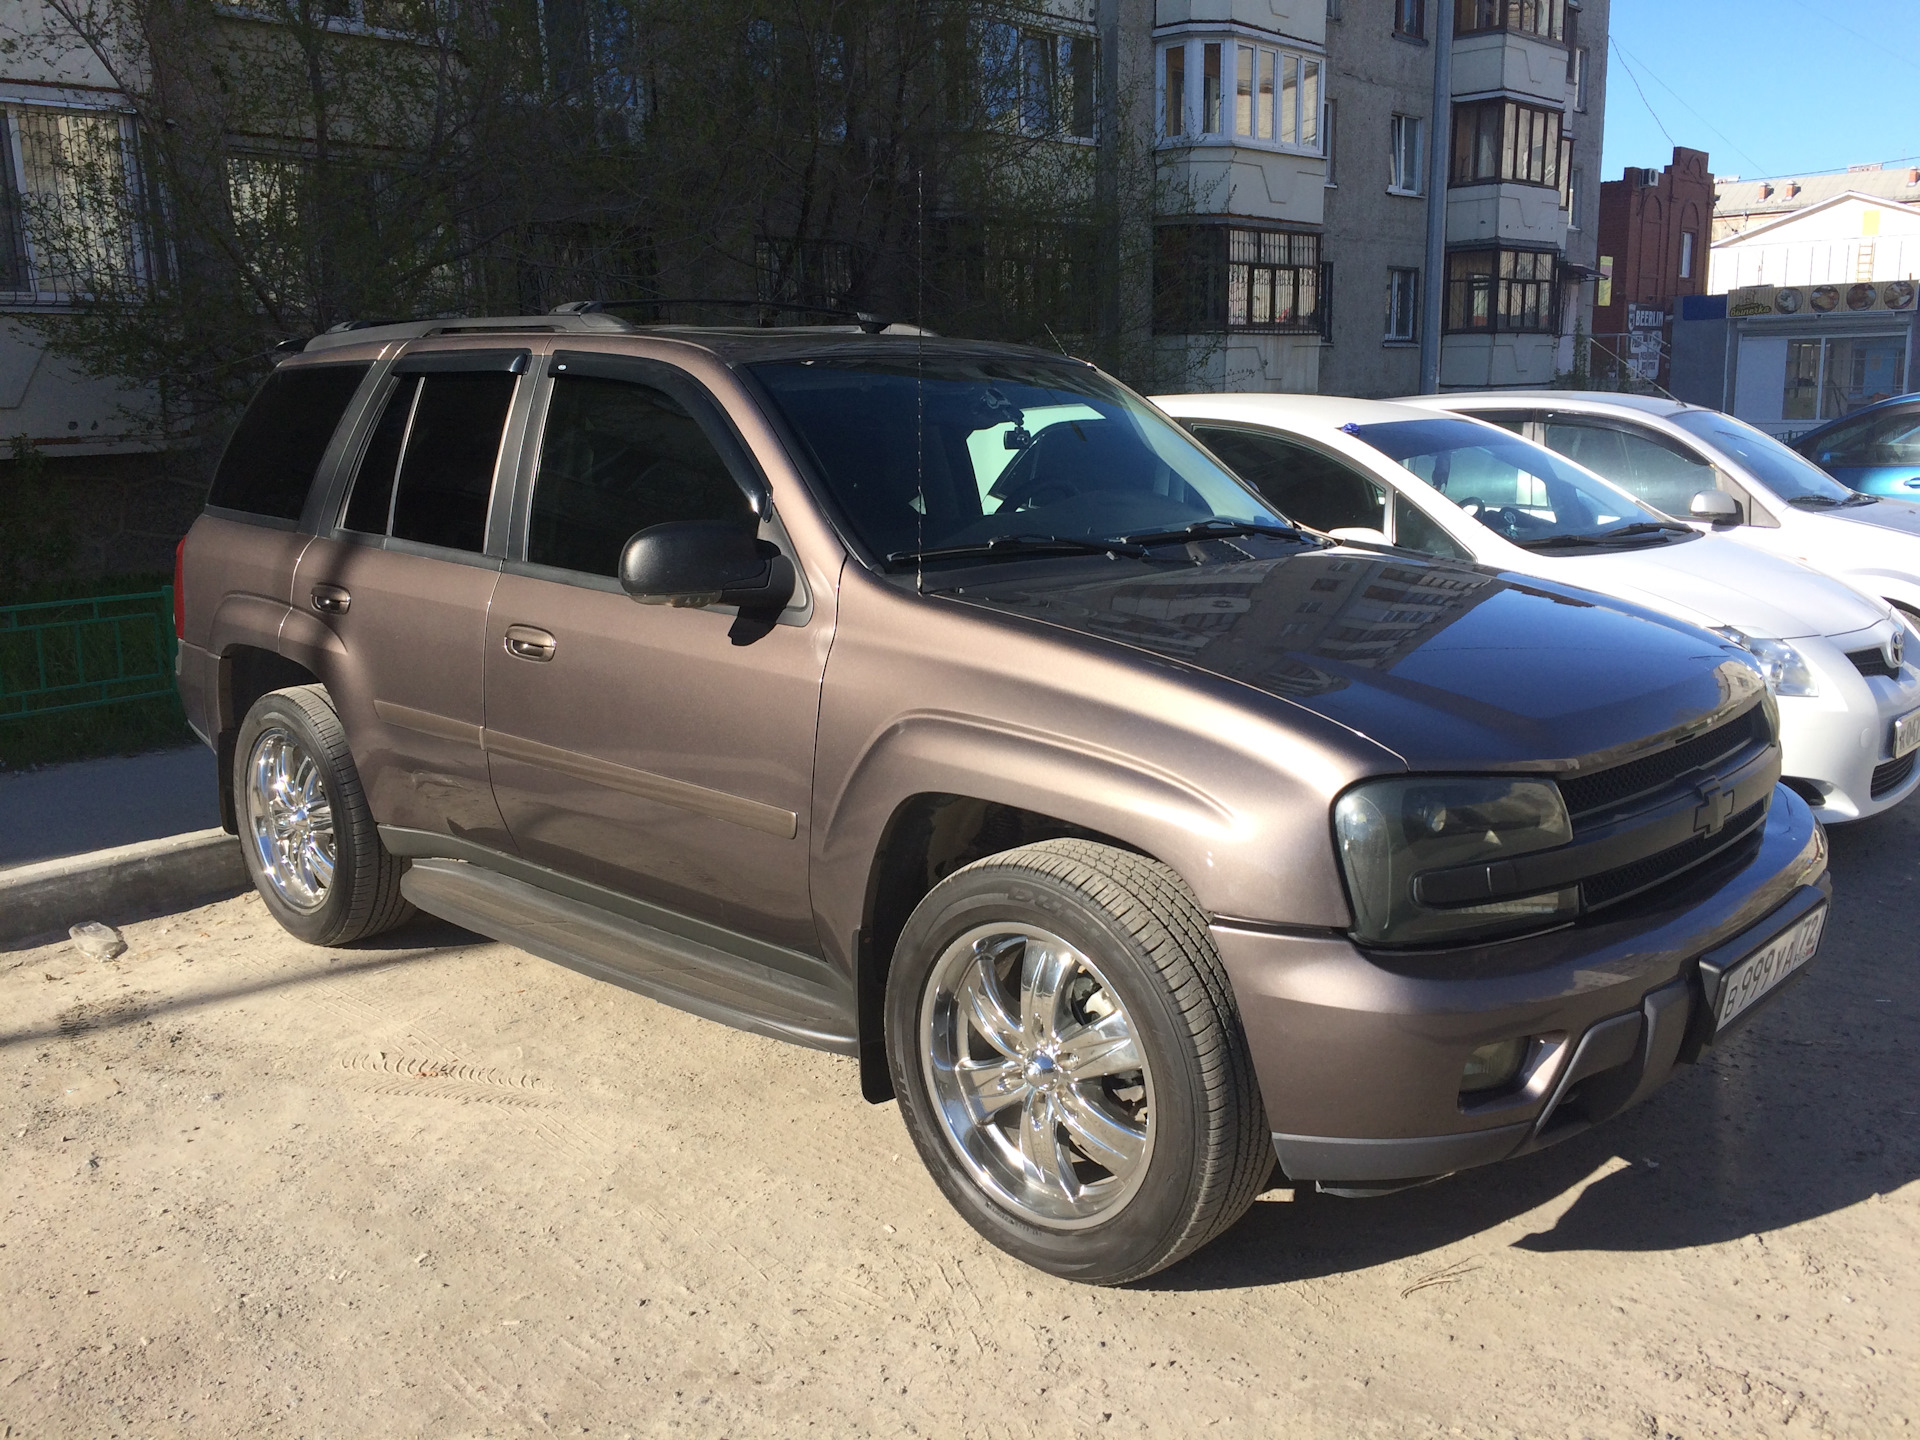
151,877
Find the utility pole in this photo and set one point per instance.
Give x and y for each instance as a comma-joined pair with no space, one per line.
1439,145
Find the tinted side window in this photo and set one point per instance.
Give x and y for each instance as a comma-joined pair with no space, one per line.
1514,420
617,457
1300,482
1416,530
1646,466
453,444
271,460
372,503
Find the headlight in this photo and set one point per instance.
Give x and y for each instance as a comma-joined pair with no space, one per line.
1784,667
1390,831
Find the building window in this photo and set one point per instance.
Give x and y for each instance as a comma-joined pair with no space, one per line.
1580,62
1576,180
1505,140
70,205
1245,94
1405,163
1038,81
1410,17
1217,277
1546,18
1329,131
1403,305
1505,290
1686,254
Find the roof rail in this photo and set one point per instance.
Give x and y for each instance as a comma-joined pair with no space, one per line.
367,332
869,322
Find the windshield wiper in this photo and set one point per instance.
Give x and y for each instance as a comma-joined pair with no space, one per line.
1218,528
1815,502
1009,547
1646,530
1853,500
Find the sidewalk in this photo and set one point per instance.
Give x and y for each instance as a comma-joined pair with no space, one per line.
99,804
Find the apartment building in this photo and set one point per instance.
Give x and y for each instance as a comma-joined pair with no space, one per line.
1373,197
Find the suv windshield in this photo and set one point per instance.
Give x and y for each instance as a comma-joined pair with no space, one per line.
948,452
1792,477
1515,488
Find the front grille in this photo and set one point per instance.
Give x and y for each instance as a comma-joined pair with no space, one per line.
1892,775
1612,885
1873,662
1586,793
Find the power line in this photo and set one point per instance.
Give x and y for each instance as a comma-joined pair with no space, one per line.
1643,94
1683,102
1882,44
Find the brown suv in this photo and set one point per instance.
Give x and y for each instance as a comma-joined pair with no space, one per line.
978,723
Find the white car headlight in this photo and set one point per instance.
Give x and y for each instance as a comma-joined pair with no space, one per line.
1785,669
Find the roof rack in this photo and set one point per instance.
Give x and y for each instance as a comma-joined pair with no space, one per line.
866,320
364,332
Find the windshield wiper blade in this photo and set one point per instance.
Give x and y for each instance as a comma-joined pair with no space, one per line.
1644,531
1816,502
1008,547
1217,529
1853,500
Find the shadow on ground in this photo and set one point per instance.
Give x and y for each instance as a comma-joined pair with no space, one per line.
1812,1108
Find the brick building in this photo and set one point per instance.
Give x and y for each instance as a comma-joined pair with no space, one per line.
1655,232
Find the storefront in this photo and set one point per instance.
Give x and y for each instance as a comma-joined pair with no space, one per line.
1791,358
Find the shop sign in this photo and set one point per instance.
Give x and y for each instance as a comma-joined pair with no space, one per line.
1861,298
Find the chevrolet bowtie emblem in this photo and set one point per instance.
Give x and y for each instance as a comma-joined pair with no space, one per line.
1714,810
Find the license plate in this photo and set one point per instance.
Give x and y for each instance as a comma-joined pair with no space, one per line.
1767,968
1906,735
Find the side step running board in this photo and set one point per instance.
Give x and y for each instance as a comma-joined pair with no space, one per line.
672,969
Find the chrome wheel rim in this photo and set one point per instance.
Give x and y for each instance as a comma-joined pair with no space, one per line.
290,819
1037,1075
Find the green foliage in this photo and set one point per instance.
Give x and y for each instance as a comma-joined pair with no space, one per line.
37,542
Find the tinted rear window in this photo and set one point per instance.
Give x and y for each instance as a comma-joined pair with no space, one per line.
273,456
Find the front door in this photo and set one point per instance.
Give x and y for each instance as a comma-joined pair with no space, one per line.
404,580
663,753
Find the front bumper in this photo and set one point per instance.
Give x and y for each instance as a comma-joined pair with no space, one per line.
1359,1054
1841,739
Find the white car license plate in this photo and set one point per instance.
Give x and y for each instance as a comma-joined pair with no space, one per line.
1764,970
1906,735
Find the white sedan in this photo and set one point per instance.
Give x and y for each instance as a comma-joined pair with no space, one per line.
1443,485
1692,462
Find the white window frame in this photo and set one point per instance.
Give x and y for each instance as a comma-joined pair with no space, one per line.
1280,75
1688,245
42,288
1406,164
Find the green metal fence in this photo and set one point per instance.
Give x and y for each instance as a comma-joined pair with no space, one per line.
74,654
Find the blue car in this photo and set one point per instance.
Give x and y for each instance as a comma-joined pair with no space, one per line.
1875,451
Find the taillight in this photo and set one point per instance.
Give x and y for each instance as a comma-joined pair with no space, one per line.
180,589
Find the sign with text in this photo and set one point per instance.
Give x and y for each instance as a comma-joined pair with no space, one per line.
1750,301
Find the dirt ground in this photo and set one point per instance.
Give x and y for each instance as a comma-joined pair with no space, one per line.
436,1187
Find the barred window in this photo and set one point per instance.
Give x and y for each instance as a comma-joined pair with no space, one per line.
1504,290
70,219
1505,140
1533,17
1212,277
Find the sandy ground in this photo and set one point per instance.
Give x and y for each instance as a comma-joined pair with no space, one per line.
436,1187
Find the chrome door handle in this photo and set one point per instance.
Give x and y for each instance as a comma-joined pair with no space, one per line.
331,599
529,642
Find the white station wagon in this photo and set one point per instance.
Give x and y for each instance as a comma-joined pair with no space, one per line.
1389,473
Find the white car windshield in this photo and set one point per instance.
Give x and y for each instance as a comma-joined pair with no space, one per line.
1791,476
1519,490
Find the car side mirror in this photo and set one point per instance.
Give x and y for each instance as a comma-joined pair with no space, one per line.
1715,506
694,563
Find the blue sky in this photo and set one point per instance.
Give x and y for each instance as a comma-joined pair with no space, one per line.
1767,87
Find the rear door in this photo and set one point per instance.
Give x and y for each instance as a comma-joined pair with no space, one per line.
403,577
1647,465
663,753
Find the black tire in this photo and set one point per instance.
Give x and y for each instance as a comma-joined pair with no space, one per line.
363,897
1210,1152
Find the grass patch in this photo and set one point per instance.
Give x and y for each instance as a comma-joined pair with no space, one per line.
122,727
127,727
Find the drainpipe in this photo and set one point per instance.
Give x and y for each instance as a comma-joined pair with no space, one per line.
1439,145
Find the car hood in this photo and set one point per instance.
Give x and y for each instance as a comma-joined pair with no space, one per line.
1449,666
1714,581
1902,516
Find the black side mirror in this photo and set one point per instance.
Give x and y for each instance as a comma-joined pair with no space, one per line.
1715,506
693,563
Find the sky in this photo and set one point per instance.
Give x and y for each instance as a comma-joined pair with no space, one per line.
1766,87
